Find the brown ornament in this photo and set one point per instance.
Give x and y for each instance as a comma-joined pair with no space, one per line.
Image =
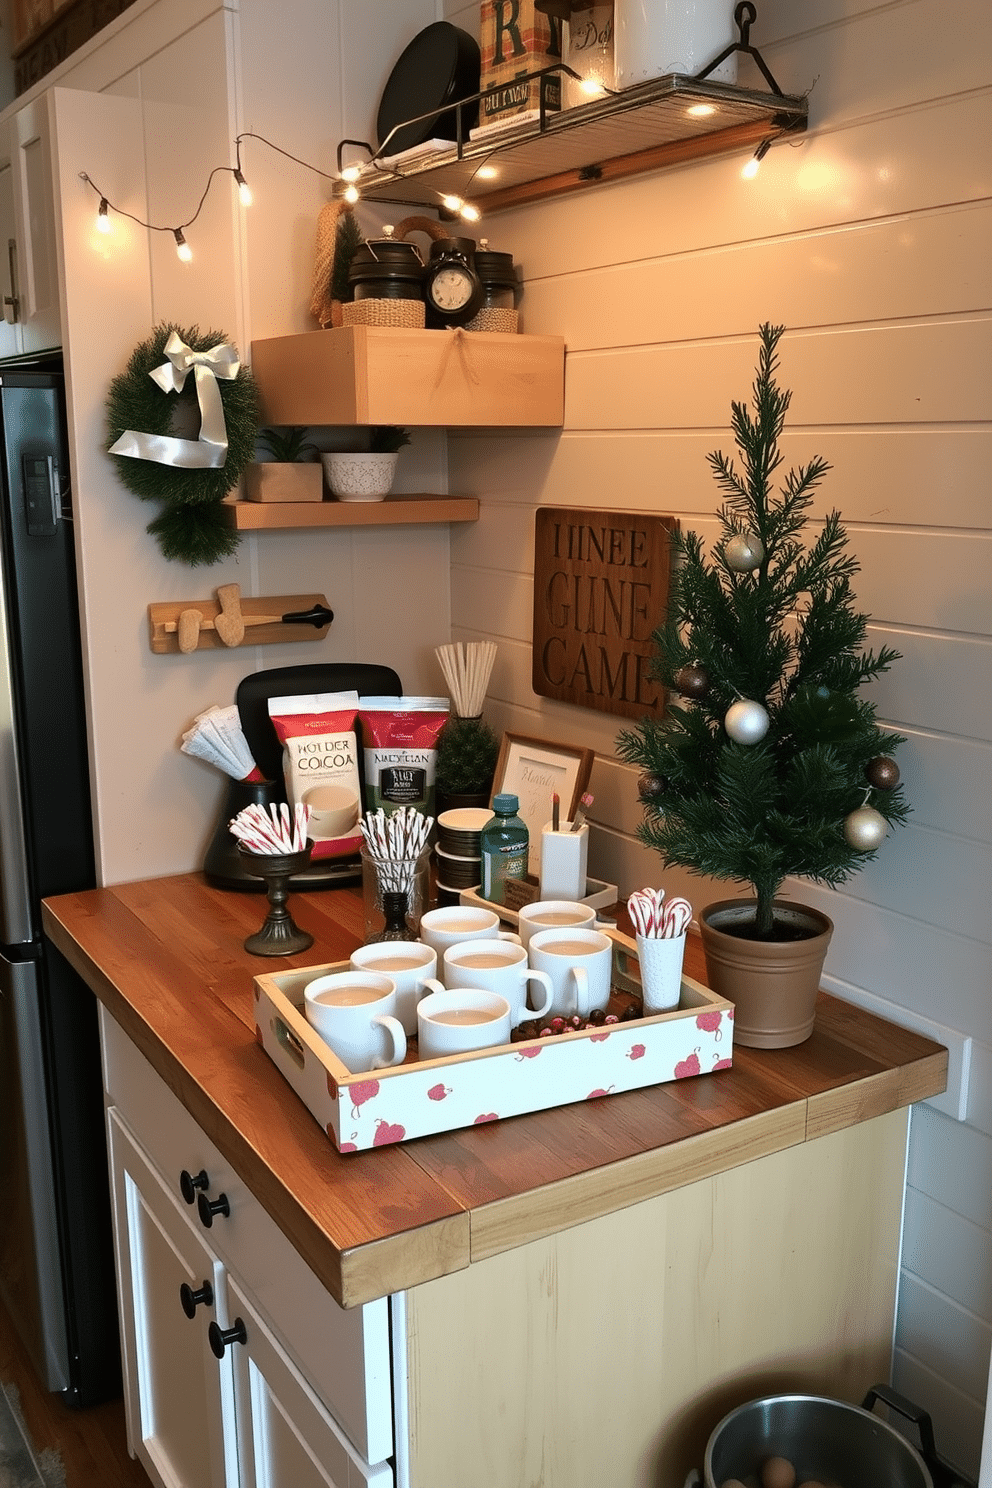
882,772
693,681
649,787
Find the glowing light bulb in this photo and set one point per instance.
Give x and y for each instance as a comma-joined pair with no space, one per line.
244,190
102,217
701,110
452,203
592,87
751,169
351,173
352,194
487,173
183,251
469,213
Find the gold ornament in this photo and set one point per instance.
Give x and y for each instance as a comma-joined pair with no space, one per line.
865,829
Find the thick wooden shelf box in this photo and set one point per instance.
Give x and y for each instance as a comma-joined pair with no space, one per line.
380,375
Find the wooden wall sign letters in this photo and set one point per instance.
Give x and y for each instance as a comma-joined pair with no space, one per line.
600,590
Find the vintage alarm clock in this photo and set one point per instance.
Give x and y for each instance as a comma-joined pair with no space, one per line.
452,288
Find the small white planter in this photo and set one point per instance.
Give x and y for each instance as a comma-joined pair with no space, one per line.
359,477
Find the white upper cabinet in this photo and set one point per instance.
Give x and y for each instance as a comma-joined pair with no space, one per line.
34,253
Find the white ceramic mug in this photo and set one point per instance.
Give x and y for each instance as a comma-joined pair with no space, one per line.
445,927
554,914
410,963
498,966
458,1019
579,963
355,1013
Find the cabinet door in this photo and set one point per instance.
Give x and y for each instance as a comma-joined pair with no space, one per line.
179,1398
34,215
286,1439
10,330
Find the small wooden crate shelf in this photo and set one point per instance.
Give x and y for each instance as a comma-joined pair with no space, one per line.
394,511
381,375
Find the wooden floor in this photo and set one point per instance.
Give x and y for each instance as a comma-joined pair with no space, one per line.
91,1443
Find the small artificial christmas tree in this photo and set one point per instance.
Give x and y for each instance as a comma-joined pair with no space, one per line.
768,772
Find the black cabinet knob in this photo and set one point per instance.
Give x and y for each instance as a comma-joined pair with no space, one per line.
207,1208
191,1300
220,1337
188,1184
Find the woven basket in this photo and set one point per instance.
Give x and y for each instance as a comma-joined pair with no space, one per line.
493,319
408,314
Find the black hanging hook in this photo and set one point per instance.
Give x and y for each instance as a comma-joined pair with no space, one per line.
744,15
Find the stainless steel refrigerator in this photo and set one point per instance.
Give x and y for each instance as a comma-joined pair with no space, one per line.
56,1267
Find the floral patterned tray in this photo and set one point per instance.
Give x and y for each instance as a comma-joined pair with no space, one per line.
421,1097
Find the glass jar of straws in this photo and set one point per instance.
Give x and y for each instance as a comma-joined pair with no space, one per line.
395,873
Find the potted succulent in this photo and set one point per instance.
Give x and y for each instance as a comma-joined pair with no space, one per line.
772,766
366,475
292,473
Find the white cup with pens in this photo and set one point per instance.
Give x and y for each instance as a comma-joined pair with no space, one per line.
564,853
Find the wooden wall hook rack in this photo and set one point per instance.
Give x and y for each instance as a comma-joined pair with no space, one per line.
229,620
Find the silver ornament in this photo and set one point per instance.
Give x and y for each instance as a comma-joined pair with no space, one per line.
865,829
744,552
746,722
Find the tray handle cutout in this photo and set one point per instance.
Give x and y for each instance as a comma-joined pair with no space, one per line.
286,1039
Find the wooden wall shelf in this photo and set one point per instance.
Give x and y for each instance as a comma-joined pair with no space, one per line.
257,516
647,127
378,375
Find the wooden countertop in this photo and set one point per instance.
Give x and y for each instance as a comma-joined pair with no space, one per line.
165,956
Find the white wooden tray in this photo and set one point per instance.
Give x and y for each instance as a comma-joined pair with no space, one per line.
421,1097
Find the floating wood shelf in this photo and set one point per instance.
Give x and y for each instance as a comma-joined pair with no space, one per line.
647,127
380,375
256,516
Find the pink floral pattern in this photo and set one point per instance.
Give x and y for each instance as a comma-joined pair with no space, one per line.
360,1112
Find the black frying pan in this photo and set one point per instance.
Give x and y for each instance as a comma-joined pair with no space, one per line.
441,65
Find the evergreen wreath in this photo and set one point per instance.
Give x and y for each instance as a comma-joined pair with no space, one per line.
192,527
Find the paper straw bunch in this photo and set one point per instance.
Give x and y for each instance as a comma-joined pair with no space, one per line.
273,831
654,918
395,842
467,667
217,737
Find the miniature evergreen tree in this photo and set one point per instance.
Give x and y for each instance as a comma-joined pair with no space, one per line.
768,771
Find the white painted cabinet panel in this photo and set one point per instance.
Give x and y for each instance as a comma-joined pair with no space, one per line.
175,1389
10,330
286,1437
34,217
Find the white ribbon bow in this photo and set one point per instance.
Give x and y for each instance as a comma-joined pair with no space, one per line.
209,452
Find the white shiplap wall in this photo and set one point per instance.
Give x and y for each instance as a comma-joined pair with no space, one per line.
869,239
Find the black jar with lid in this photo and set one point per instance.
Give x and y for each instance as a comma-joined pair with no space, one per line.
384,269
500,286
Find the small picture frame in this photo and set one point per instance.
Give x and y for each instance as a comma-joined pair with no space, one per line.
534,770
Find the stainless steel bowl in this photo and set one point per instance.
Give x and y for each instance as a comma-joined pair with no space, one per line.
823,1439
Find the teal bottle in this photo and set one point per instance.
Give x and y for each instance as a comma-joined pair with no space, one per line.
503,844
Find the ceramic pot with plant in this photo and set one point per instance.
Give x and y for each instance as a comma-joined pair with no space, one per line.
769,766
293,472
366,475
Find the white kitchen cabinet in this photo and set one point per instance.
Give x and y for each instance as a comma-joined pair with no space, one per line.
34,253
298,1393
10,328
175,1387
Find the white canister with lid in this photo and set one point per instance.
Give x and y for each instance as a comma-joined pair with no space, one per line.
655,37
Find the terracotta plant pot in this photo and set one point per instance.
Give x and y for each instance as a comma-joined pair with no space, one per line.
772,983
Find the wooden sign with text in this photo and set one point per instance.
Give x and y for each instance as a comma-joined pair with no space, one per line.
600,590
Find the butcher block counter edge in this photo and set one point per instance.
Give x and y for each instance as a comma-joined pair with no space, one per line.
165,958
